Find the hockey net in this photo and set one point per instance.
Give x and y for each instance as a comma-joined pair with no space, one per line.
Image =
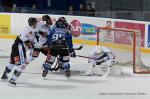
124,43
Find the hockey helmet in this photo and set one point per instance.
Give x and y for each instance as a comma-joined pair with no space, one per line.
32,21
47,19
98,50
61,22
66,23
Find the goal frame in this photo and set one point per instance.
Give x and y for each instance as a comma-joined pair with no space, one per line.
133,49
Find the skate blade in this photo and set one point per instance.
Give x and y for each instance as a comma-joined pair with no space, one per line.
68,77
4,80
11,85
86,74
44,78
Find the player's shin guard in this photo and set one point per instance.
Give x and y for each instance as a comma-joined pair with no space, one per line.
30,59
46,68
67,73
14,77
45,72
5,74
66,67
16,74
7,70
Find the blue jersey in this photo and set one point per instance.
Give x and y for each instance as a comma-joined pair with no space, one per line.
59,34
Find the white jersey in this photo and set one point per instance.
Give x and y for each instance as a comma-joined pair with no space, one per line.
105,55
28,34
42,27
101,62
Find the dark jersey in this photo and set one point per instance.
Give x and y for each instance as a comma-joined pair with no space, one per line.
59,35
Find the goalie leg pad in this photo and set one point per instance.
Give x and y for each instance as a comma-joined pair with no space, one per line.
103,69
90,70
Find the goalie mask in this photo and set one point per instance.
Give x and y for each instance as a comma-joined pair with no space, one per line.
98,50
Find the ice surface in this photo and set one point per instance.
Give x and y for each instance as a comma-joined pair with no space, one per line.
31,85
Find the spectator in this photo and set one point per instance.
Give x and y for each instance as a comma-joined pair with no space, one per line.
14,8
7,5
71,10
90,10
34,8
81,7
1,7
82,10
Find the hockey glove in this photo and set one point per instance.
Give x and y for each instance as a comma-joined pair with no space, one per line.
29,44
72,53
99,63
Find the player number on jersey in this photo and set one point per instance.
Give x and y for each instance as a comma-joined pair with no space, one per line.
57,36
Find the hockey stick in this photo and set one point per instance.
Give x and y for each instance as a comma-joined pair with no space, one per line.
78,48
85,57
4,51
58,65
3,56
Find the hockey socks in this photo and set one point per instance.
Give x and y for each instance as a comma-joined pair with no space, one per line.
5,74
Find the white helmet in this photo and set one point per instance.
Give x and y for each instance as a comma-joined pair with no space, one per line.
98,49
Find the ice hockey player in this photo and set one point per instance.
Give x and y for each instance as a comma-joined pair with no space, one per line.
58,65
100,59
18,57
60,44
43,28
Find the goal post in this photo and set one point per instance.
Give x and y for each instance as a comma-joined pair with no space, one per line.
126,45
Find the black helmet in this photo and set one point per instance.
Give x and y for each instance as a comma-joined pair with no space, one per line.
47,19
32,21
61,22
65,22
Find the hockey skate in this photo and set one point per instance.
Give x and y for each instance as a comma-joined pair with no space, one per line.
4,77
12,81
67,73
45,72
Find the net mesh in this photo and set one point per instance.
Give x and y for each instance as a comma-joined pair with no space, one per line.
126,45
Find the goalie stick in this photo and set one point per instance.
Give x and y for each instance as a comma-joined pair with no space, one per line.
85,57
